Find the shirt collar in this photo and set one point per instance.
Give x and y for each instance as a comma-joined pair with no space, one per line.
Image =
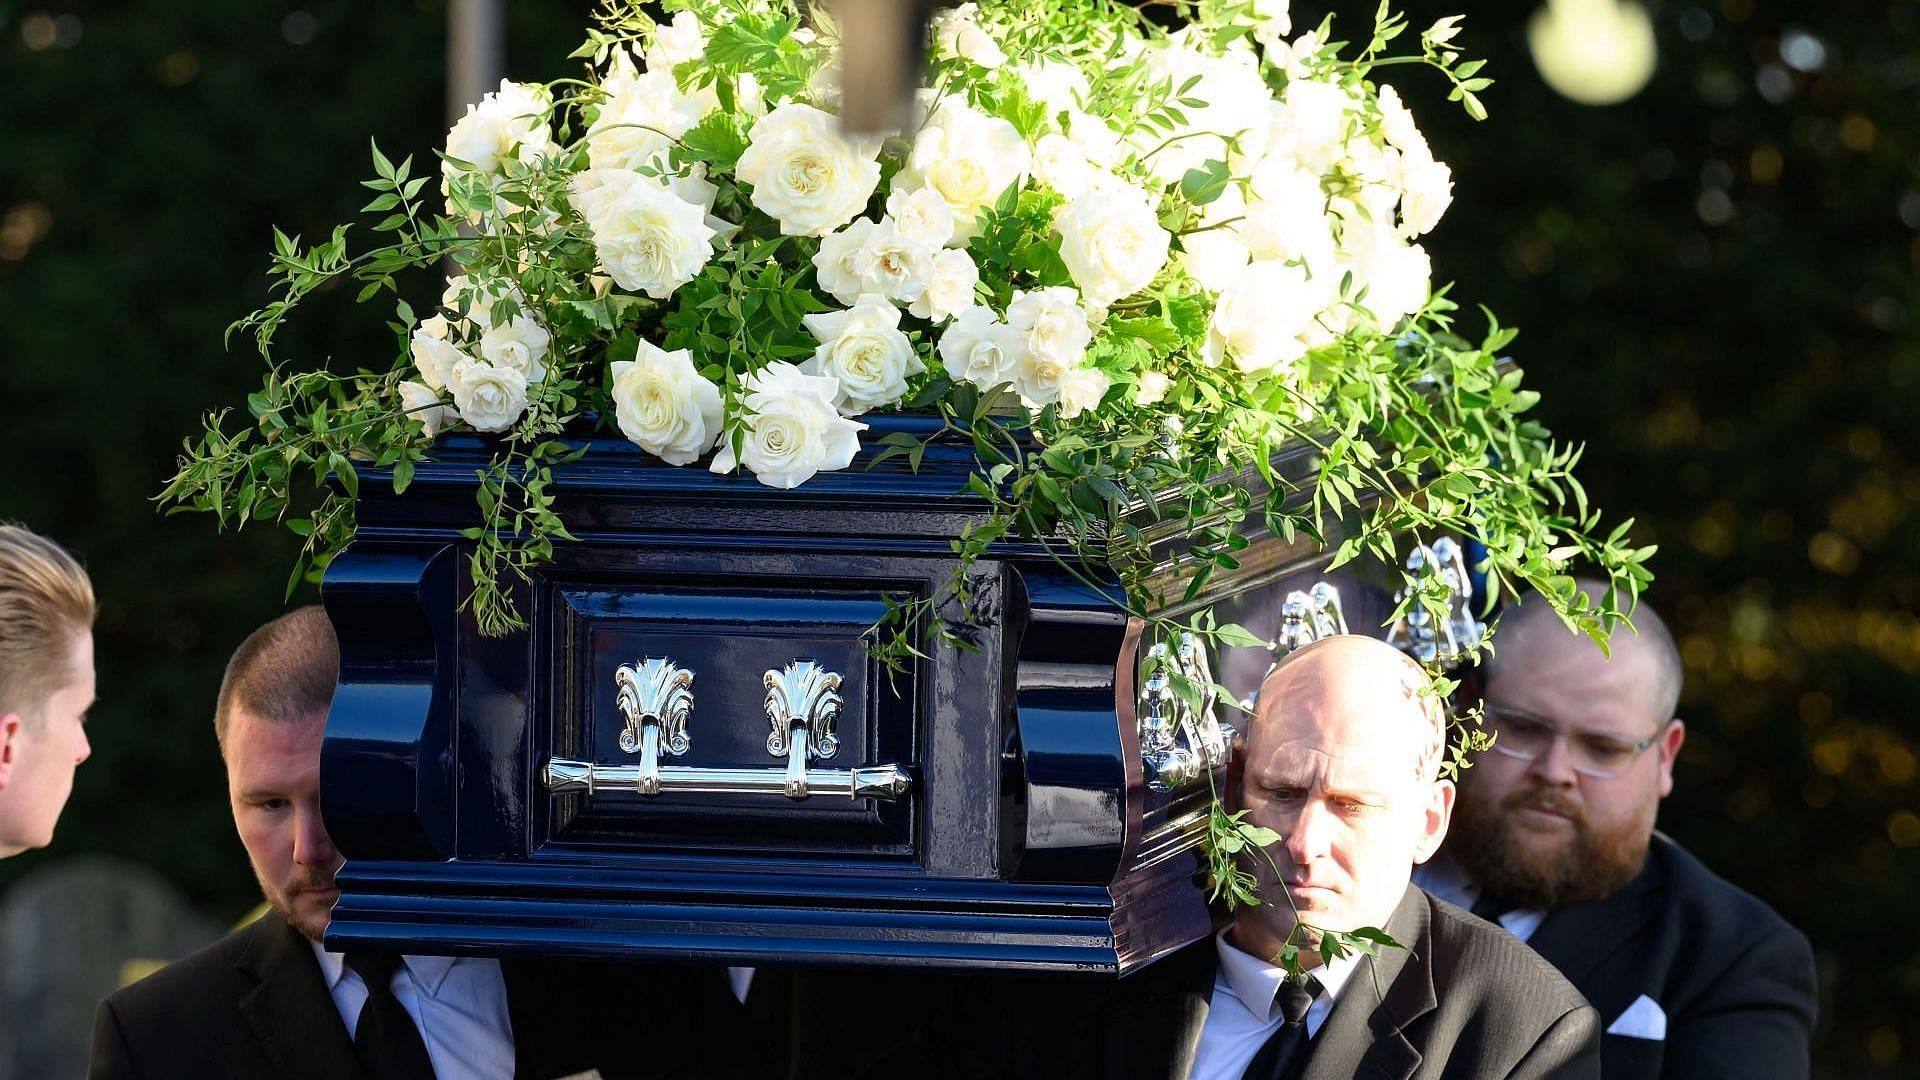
1255,981
428,971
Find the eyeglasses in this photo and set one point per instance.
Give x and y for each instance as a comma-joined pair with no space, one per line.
1525,738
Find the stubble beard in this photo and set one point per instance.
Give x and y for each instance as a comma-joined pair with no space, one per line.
1592,865
285,901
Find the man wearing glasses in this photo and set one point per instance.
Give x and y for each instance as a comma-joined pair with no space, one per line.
1553,838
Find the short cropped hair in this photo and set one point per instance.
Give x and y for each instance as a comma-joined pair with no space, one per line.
46,602
1532,614
283,673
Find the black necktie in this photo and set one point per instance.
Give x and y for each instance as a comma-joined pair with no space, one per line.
1285,1051
1490,909
386,1039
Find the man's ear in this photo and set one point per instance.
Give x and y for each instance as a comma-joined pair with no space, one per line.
9,746
1434,822
1670,741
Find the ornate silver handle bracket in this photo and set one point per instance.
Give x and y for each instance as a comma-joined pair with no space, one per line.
1178,743
1420,635
803,704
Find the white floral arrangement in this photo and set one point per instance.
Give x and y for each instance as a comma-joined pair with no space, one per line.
1159,255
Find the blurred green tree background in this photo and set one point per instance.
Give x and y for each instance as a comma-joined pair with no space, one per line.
1715,283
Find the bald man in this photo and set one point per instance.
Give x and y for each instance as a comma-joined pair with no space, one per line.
1555,840
1342,761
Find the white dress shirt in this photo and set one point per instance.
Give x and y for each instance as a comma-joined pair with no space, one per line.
458,1003
1443,878
1241,1015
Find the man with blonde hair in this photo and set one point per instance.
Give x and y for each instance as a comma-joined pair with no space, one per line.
46,684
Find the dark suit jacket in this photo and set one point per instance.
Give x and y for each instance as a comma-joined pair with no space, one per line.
1463,1001
1735,980
254,1004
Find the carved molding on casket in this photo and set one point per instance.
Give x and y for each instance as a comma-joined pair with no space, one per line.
1418,633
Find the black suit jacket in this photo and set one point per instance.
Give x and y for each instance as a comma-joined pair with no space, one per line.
254,1004
1463,1001
1735,981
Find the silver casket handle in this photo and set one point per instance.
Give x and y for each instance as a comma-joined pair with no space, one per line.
1179,743
803,704
1306,616
1417,633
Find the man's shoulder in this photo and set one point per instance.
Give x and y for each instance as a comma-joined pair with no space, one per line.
187,983
1481,960
1716,904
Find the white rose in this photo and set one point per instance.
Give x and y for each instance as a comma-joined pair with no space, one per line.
970,158
423,404
1397,276
676,42
863,349
1257,321
649,239
1396,123
950,288
1081,389
1095,140
434,326
1060,165
664,406
1058,85
792,430
805,175
838,266
519,343
1053,325
1112,243
641,122
1151,389
1426,190
1287,216
1236,98
957,33
489,398
436,358
1038,379
980,349
481,299
922,215
895,265
1295,59
1314,117
510,120
1271,19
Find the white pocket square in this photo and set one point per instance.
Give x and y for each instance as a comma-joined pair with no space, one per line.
1644,1019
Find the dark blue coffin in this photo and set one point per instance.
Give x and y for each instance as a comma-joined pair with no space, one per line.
986,808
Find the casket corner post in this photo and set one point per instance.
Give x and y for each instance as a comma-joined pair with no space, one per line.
690,752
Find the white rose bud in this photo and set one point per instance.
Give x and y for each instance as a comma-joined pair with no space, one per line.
970,158
520,344
489,398
958,34
980,349
791,430
649,239
434,326
1081,389
435,358
863,349
1112,243
1426,192
423,404
511,118
805,175
664,406
1053,324
949,290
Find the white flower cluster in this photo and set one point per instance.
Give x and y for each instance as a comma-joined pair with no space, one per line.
485,358
1300,190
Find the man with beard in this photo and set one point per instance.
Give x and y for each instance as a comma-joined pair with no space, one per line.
1554,839
270,999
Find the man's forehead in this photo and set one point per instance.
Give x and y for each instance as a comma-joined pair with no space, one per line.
1332,761
253,739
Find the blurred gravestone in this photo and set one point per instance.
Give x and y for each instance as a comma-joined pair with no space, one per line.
68,935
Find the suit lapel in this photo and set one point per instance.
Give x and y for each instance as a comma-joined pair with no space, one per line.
290,1011
1579,937
1365,1034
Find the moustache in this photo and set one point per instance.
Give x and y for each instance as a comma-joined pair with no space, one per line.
311,881
1544,799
